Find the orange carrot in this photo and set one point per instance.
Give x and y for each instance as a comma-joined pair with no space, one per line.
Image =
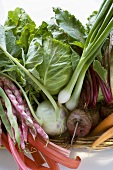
106,135
103,126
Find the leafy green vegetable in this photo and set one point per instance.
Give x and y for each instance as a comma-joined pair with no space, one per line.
56,68
70,24
21,25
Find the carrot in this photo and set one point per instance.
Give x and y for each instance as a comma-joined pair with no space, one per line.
52,153
106,135
103,126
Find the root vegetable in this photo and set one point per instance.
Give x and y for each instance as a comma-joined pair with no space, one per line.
106,135
103,126
86,120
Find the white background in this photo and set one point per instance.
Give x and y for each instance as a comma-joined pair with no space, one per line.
40,10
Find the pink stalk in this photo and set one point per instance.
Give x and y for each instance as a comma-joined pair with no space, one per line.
16,154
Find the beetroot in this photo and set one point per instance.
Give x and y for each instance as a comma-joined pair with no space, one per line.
87,119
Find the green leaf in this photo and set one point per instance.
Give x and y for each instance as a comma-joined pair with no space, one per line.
56,68
35,54
22,26
11,45
70,24
101,71
77,43
2,37
75,57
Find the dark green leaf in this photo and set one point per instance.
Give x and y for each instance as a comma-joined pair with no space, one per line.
70,24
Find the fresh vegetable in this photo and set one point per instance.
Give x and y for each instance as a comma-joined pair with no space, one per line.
36,65
57,154
103,126
95,39
46,113
87,119
105,110
106,135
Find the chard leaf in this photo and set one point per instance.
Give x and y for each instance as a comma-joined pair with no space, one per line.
56,68
101,71
70,24
56,31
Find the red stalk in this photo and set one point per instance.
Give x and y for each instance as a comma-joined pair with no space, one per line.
16,154
29,163
40,144
36,155
52,164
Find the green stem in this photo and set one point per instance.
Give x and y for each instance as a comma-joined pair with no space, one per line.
102,25
101,14
32,78
89,54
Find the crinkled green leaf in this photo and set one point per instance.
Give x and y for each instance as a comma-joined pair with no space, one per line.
56,68
22,26
42,32
70,24
101,71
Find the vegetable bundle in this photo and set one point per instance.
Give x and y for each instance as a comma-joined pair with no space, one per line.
47,71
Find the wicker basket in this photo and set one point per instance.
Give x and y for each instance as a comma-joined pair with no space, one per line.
83,143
